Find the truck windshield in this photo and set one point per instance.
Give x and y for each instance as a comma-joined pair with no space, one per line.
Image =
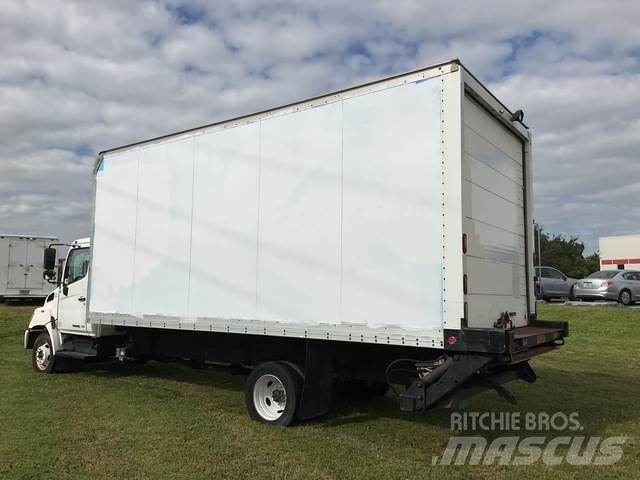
77,265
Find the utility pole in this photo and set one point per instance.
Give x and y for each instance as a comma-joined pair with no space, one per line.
538,232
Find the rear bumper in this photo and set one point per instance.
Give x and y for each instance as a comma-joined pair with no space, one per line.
481,359
509,344
595,294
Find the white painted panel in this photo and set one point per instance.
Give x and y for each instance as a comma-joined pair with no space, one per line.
162,242
264,234
113,244
299,233
4,264
225,222
392,238
17,261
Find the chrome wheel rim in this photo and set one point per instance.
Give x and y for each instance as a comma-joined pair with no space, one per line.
43,356
269,397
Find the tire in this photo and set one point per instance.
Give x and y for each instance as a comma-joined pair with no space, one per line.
572,295
42,358
272,393
625,298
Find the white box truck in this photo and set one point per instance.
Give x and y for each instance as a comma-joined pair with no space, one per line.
379,235
21,267
620,252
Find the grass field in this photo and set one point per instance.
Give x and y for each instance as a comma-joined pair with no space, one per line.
169,421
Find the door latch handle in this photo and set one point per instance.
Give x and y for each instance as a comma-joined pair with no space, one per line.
82,299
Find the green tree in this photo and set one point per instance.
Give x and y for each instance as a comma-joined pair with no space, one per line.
591,264
566,254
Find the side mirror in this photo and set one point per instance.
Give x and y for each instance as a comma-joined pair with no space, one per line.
49,273
49,258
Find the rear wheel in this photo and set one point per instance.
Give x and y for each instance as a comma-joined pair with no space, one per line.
625,297
272,393
42,357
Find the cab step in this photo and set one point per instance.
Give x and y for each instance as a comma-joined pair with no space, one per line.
75,355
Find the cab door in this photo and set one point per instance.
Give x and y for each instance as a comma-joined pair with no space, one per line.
72,310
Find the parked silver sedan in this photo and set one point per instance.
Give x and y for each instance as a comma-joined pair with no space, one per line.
552,283
620,285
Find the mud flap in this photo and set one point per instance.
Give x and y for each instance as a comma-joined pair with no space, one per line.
318,380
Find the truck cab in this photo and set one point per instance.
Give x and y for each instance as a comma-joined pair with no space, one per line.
56,327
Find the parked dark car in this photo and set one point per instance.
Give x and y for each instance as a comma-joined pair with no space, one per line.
552,283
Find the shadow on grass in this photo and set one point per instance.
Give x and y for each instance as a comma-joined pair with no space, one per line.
556,390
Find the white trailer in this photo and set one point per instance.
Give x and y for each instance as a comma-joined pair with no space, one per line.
21,266
330,238
620,252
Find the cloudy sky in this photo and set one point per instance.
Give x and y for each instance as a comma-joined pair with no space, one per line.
79,77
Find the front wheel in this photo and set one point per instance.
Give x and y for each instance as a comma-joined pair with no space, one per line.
272,393
572,294
42,357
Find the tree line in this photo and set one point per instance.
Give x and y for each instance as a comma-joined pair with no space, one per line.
565,254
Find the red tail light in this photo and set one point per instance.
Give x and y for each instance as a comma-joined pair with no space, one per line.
606,283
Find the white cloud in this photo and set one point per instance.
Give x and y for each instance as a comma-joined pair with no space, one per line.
78,76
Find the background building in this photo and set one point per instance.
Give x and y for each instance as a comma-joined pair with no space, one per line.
620,252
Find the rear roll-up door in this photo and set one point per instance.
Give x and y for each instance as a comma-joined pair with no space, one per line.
493,194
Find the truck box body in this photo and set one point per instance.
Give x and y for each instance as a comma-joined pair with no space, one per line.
620,252
389,213
21,266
